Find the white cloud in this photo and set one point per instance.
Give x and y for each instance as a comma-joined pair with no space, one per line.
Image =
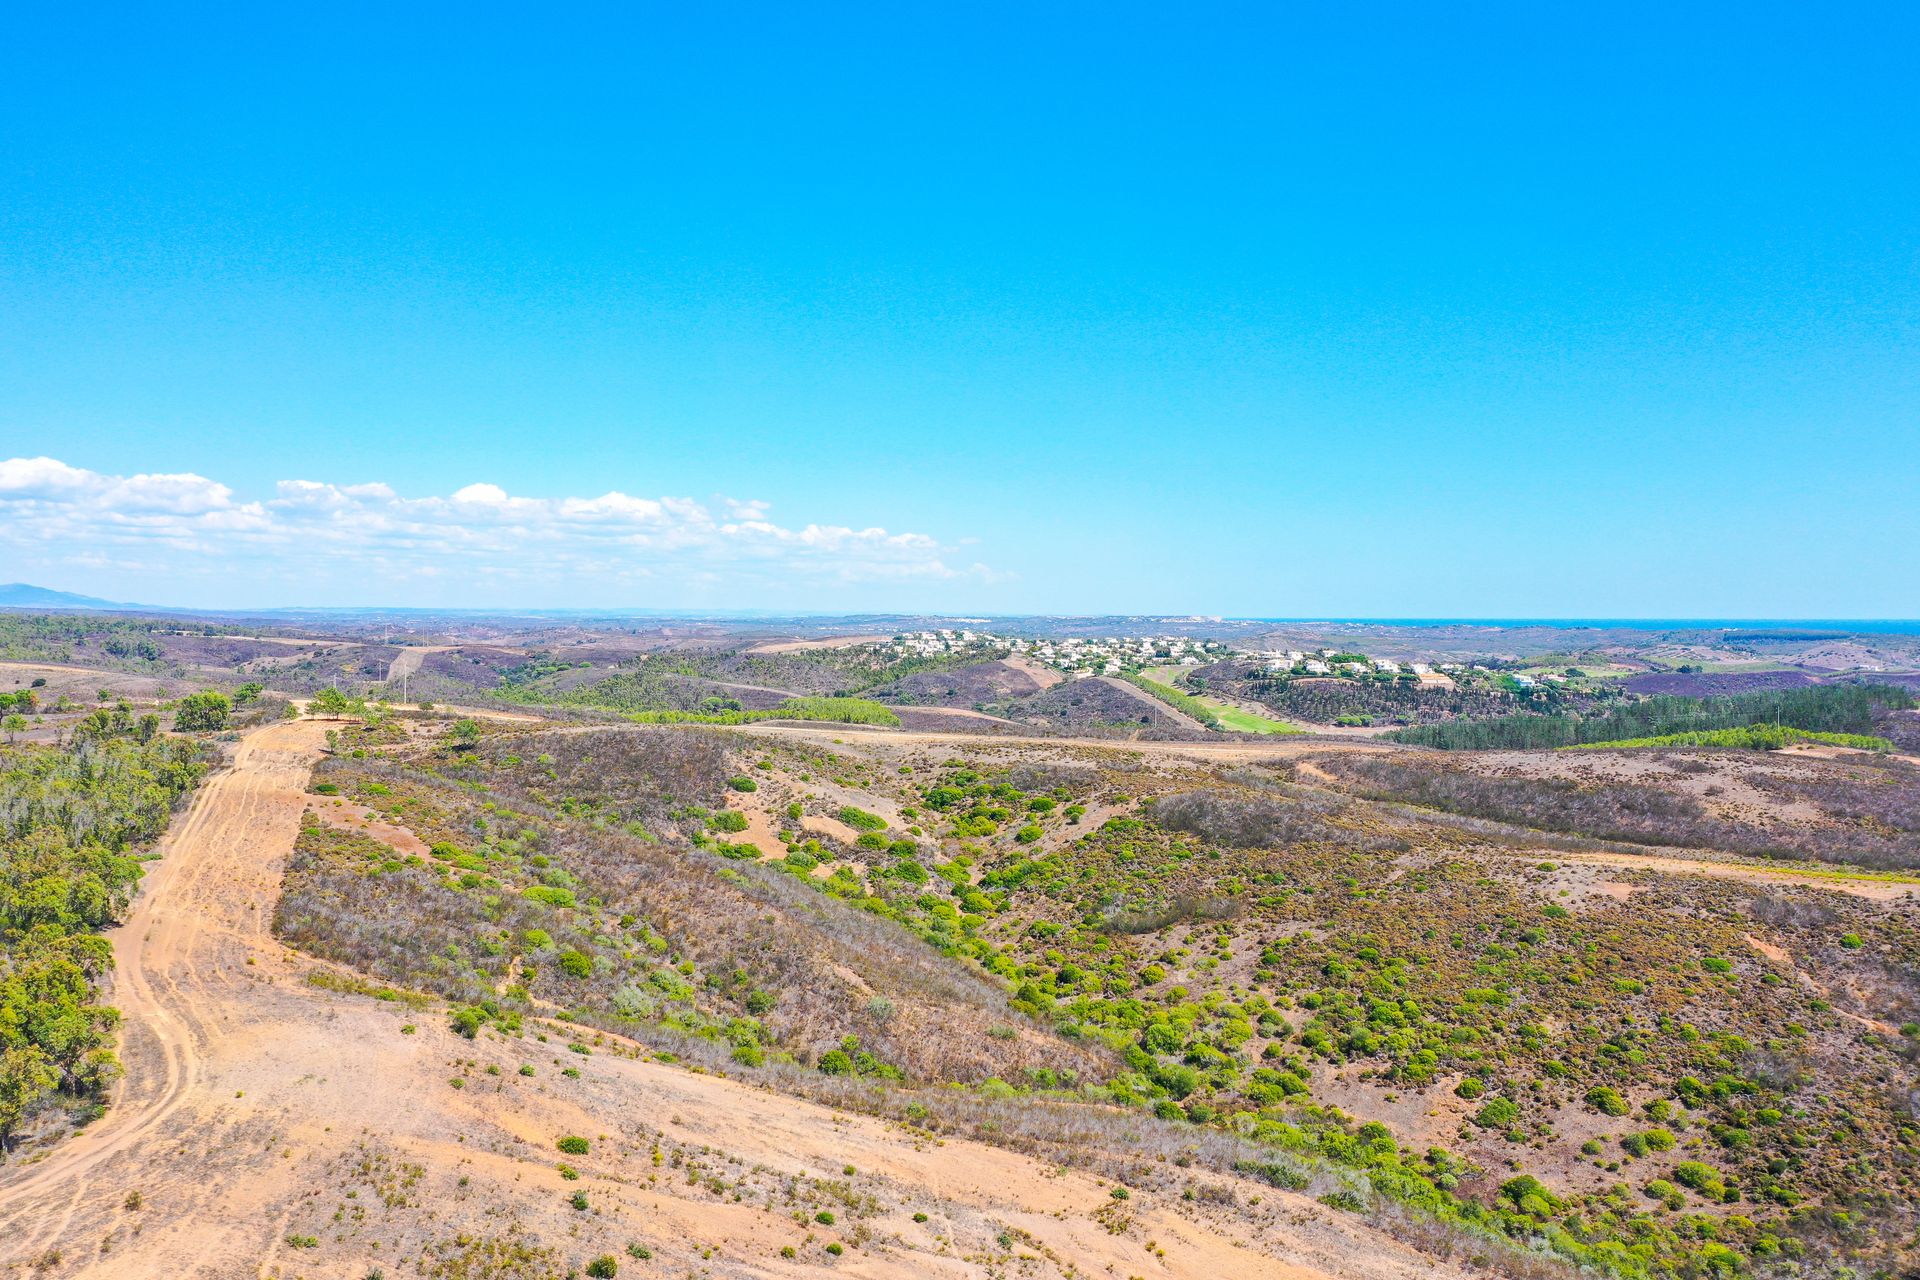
368,534
24,479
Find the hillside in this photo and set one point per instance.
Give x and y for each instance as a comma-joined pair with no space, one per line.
311,1119
1370,1005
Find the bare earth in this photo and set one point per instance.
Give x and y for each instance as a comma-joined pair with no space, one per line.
275,1129
831,642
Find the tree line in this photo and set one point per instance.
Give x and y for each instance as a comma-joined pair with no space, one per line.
73,820
1845,708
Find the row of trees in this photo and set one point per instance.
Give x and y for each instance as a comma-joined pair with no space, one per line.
1851,709
72,819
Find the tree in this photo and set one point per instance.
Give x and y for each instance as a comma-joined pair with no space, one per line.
15,725
26,1075
247,693
332,703
202,712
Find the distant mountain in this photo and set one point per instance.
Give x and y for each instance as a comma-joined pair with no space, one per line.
24,595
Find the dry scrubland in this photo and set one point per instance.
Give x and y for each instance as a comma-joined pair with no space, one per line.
285,1117
1293,1008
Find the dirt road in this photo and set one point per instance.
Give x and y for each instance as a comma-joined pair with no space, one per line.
201,910
1236,751
267,1127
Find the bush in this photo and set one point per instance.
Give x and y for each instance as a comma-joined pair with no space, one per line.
1529,1195
603,1267
1497,1114
860,819
202,712
1703,1178
1607,1100
1665,1192
573,1145
743,783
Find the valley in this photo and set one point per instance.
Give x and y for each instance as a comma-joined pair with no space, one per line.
1074,994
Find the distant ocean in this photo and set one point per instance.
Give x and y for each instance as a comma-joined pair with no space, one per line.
1892,626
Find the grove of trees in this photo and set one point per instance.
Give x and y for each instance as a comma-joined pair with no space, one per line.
72,819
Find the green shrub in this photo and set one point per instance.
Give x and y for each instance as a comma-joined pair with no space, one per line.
1665,1192
860,819
1704,1178
1497,1114
573,1145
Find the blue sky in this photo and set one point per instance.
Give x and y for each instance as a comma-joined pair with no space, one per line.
1256,310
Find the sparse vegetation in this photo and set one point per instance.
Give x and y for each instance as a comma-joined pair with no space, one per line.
1347,973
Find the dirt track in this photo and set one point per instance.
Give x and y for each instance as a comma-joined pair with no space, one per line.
1237,751
255,1104
1664,861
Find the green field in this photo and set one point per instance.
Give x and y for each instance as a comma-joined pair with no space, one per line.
1758,737
1234,720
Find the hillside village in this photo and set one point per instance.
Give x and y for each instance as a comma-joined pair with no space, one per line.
1108,655
1116,655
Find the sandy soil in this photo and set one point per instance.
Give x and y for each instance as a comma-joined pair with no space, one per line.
359,819
1892,889
761,830
830,642
302,703
821,825
1821,751
80,683
275,1129
408,663
1235,751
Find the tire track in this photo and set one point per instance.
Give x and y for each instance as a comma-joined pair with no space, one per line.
159,982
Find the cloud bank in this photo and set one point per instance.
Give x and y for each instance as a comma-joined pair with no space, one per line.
615,549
